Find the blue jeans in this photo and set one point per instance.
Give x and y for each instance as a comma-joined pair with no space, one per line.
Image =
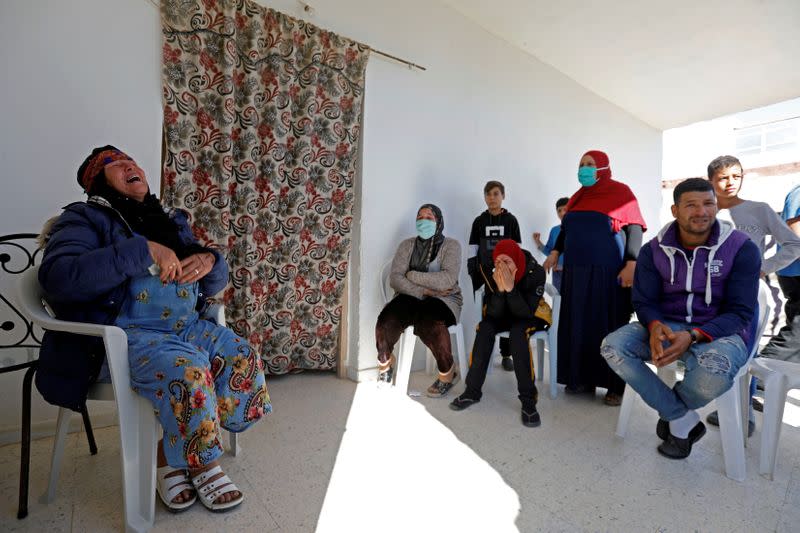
710,368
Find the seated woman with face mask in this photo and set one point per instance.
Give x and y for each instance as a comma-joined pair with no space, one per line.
424,277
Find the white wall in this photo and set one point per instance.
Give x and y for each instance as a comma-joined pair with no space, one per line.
482,110
75,75
689,150
79,74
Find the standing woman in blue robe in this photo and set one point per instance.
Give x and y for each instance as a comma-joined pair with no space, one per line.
600,238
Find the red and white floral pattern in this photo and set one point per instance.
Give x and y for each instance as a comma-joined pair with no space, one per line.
262,117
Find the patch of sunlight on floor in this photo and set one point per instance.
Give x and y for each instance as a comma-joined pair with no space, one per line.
399,469
791,413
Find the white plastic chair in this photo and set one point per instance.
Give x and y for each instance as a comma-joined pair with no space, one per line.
732,405
407,342
138,426
548,336
779,378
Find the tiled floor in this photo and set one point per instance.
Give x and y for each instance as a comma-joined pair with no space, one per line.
399,463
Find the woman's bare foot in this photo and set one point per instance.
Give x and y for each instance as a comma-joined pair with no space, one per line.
161,460
223,498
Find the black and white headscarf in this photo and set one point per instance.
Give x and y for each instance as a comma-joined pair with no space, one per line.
425,250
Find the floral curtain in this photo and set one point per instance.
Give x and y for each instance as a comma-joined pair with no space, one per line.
262,116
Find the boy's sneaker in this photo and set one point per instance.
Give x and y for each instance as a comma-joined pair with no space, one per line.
507,363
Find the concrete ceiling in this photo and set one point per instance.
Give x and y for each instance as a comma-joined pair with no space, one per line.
669,63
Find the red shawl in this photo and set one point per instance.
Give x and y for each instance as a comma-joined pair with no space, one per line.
608,196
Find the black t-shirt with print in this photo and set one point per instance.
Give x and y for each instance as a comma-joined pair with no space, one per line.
487,231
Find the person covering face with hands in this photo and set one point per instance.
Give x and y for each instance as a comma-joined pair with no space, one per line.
513,303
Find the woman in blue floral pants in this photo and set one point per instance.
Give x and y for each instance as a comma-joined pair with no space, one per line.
121,258
197,374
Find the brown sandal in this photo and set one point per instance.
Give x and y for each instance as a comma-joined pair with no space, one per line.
386,370
443,383
613,399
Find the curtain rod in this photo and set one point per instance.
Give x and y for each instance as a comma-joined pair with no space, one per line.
766,123
399,60
310,10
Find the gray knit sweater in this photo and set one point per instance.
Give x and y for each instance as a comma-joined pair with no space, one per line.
758,220
448,264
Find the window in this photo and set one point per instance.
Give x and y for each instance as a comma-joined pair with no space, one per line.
780,136
772,137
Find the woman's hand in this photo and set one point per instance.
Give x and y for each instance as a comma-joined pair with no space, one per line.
166,260
625,276
504,277
551,261
509,271
437,294
196,266
497,276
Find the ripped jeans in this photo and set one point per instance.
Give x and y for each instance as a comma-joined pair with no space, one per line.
710,368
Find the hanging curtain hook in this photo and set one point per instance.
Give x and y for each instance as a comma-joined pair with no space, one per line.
308,9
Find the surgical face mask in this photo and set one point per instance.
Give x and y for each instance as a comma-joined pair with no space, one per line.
426,228
587,176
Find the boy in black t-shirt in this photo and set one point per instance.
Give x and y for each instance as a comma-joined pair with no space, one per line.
489,228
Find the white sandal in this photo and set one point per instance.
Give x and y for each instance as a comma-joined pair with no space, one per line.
169,487
211,491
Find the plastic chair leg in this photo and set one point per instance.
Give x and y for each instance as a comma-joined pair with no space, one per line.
62,426
539,359
629,398
233,444
404,360
552,366
745,401
138,436
463,364
730,426
774,403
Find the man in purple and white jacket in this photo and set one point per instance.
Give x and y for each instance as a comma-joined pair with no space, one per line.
695,292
